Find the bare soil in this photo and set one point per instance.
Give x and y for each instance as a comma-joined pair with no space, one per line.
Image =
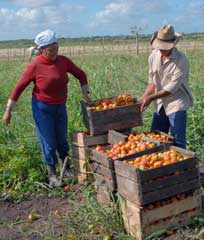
49,222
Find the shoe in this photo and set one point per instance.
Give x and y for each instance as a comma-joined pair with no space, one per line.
68,174
53,181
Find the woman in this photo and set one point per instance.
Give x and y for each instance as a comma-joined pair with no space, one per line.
48,72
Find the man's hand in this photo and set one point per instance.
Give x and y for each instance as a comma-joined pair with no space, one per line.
145,102
147,99
7,116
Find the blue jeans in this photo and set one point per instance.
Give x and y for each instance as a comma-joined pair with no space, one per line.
175,121
51,124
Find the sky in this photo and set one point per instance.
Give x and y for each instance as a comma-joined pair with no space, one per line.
24,19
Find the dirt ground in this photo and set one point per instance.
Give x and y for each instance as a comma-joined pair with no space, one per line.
48,214
51,214
14,223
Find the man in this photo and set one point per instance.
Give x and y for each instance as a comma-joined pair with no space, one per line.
168,85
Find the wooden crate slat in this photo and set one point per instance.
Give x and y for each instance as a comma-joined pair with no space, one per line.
184,151
84,177
140,223
169,191
83,170
118,114
163,133
86,115
82,139
123,169
132,219
102,159
109,163
168,169
170,210
103,194
98,168
120,167
128,189
122,117
82,166
170,180
106,161
114,137
183,219
131,190
116,125
81,152
104,181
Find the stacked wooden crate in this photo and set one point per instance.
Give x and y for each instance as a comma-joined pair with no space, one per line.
104,165
152,198
99,122
82,144
159,197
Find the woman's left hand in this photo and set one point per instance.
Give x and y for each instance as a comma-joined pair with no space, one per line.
7,117
86,92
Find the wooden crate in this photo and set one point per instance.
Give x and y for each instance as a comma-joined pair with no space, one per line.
82,139
82,161
83,170
119,118
115,137
105,175
103,194
82,145
104,169
143,187
141,223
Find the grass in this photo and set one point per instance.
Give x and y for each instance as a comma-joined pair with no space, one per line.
21,167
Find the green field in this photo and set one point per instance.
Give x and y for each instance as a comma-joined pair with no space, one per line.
21,167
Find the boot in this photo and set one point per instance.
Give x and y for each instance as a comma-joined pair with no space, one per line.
53,180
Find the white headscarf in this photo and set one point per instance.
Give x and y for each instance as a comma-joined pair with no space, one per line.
45,38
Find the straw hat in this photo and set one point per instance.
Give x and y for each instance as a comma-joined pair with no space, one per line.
166,38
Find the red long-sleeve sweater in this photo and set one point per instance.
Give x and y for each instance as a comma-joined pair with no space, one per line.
50,79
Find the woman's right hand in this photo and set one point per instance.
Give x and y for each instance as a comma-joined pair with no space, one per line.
7,116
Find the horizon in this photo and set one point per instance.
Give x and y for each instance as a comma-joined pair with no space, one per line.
107,36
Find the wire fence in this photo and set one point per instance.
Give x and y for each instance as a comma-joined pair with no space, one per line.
122,47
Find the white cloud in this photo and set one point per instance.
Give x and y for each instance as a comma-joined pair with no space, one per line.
113,9
34,3
27,22
119,16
